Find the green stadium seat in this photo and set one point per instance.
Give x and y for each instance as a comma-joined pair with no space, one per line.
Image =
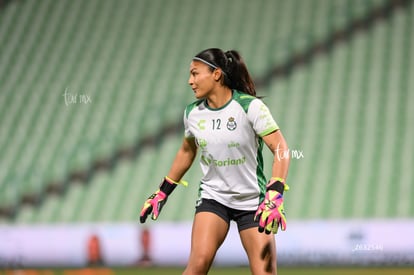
134,67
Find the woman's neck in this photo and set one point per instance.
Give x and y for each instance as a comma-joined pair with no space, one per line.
220,97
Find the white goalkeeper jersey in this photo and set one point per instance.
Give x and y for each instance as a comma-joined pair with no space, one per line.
230,141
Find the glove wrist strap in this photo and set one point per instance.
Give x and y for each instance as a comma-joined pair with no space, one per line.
168,185
183,182
277,185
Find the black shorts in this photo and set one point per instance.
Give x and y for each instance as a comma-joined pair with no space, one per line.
243,218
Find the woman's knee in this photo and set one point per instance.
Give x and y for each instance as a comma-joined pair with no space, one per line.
199,264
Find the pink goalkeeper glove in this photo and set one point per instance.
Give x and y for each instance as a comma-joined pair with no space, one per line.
153,204
271,213
156,201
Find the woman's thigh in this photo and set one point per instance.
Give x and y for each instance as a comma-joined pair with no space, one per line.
260,249
208,233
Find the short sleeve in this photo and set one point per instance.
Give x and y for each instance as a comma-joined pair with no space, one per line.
187,132
261,118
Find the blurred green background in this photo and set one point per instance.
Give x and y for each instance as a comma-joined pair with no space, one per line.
92,95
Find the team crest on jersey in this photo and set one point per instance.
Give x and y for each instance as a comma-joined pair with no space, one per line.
231,124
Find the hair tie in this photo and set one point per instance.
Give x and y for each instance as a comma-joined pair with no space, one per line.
228,56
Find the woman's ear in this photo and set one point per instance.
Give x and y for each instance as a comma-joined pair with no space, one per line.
217,74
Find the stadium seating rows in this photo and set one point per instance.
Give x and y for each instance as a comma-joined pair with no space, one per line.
81,79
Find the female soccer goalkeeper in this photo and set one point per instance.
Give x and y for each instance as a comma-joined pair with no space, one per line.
228,124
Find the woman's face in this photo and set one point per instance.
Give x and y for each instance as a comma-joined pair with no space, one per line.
202,80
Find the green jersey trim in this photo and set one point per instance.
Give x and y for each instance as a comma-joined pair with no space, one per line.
243,99
217,109
191,106
261,179
268,131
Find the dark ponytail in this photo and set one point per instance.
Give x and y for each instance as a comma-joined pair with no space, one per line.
236,75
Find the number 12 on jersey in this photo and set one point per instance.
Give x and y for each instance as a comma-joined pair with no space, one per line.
216,124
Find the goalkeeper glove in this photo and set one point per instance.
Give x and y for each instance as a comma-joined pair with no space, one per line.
156,201
271,213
